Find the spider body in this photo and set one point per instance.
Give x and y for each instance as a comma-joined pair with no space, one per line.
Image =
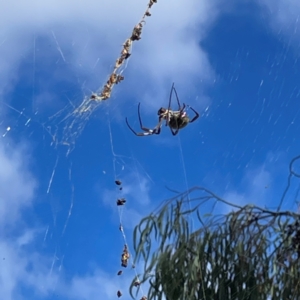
176,120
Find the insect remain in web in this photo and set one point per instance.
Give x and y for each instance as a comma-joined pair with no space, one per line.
175,119
125,257
118,182
121,201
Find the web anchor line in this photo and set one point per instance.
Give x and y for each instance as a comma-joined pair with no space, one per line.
125,256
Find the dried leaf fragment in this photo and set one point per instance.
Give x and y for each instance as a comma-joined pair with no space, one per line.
125,257
121,201
137,283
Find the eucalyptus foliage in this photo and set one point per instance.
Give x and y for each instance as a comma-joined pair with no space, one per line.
247,252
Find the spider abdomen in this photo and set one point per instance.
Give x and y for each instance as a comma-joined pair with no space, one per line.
177,122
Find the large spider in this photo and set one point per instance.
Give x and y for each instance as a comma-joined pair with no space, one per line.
175,119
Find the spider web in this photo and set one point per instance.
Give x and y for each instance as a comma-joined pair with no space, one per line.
61,124
75,147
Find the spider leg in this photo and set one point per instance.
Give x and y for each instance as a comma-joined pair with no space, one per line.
147,131
167,117
179,106
174,132
180,109
156,129
183,107
196,115
170,98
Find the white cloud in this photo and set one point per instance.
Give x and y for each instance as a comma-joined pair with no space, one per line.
98,285
283,16
263,185
255,183
89,33
22,266
16,183
17,188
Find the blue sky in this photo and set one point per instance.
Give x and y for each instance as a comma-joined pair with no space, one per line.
235,62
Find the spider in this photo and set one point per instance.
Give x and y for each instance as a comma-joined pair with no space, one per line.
174,119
